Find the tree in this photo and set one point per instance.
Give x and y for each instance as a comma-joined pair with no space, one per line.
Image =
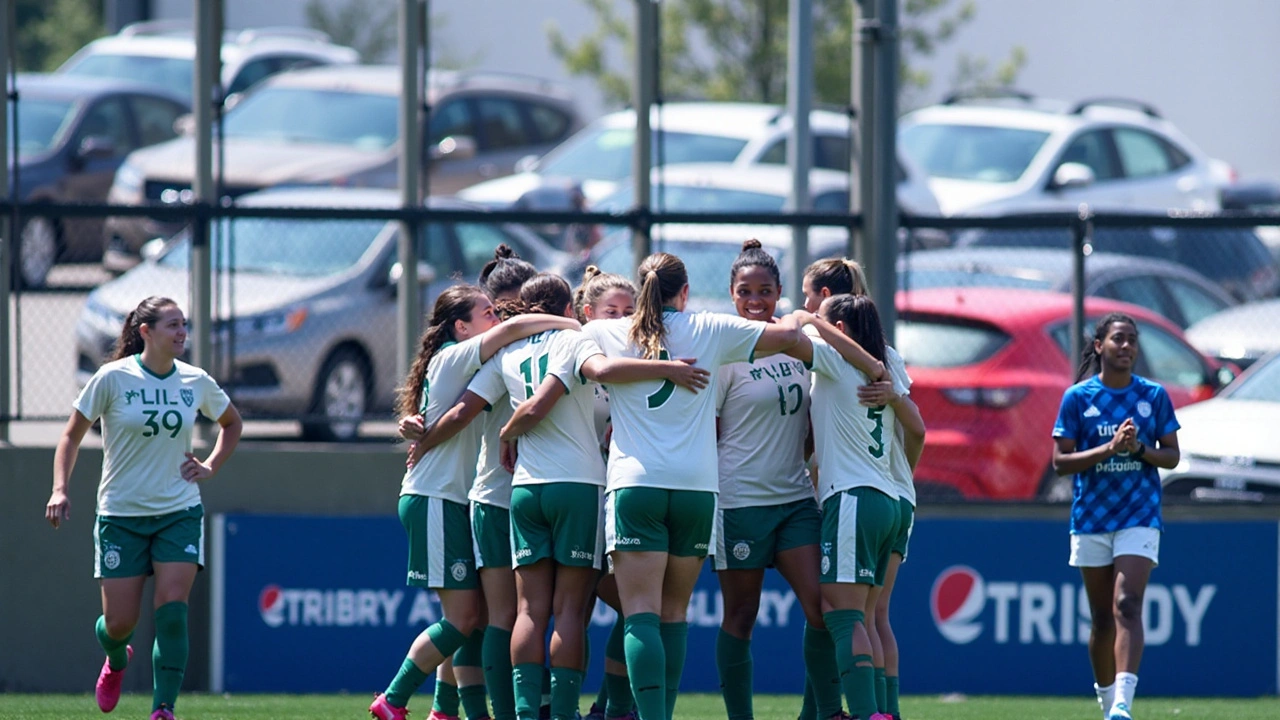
371,27
737,49
50,31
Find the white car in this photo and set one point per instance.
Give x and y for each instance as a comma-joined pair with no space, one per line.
1228,444
163,53
996,158
598,157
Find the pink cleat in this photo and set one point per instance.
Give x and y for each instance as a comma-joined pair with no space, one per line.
107,691
383,710
881,716
437,715
162,713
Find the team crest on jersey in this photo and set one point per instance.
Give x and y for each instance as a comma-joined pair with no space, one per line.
742,551
459,571
188,396
1144,408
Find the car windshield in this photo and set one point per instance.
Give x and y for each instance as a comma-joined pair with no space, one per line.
306,115
1263,384
172,74
297,248
707,263
972,152
683,198
41,124
909,279
605,153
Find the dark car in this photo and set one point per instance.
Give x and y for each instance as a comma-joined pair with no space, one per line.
71,134
1235,258
1180,294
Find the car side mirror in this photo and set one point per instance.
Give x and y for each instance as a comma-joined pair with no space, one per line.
526,164
96,147
454,147
1073,175
426,275
1224,376
185,124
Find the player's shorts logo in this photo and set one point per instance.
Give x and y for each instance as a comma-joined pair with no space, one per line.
957,599
459,571
742,551
111,559
826,564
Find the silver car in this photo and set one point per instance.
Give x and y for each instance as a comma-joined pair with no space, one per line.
305,310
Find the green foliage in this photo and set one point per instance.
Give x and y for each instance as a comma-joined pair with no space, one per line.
50,31
737,50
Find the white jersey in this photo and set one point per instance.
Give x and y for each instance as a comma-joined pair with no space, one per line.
665,436
601,416
493,482
146,433
899,468
852,443
564,446
448,470
763,408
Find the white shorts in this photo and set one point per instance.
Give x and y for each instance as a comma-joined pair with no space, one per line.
1101,549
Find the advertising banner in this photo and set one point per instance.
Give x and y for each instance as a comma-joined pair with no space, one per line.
318,604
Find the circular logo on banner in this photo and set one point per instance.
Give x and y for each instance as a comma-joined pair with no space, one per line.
1144,408
956,601
826,564
111,559
459,571
742,551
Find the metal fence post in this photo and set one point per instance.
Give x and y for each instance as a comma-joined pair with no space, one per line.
800,144
882,250
867,39
208,17
642,94
414,166
8,224
1081,233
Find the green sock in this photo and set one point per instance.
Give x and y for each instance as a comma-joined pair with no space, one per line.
117,650
474,698
616,688
733,661
823,674
808,706
858,682
882,701
891,695
406,683
527,680
675,645
445,700
169,656
498,672
646,665
474,701
566,689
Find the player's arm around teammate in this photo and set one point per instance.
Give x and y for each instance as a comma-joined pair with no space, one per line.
149,515
1114,429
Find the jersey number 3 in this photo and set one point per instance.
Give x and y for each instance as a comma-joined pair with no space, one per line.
660,396
877,433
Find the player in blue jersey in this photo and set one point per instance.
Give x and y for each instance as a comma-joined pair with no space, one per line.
1113,430
150,519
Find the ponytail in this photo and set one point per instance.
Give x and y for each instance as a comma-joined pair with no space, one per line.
505,273
839,276
662,277
861,322
148,312
545,293
455,303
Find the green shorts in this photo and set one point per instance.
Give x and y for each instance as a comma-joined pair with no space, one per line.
491,535
678,522
858,529
127,546
906,521
440,553
560,520
750,538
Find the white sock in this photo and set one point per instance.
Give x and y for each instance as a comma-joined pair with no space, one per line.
1106,696
1126,684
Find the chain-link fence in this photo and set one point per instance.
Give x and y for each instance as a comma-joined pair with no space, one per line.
305,314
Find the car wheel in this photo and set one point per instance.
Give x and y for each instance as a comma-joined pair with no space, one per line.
37,253
341,397
1056,488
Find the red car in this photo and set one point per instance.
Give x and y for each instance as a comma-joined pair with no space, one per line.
989,367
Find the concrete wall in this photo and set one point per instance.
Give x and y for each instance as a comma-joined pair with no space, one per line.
49,600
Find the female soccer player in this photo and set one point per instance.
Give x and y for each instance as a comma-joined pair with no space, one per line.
1113,430
463,333
766,514
832,276
149,515
860,503
662,469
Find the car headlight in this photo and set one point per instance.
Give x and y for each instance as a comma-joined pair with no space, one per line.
269,324
128,180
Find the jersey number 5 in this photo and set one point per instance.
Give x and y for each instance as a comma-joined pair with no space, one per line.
660,396
877,433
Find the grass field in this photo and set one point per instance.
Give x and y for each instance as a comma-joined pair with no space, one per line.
691,707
